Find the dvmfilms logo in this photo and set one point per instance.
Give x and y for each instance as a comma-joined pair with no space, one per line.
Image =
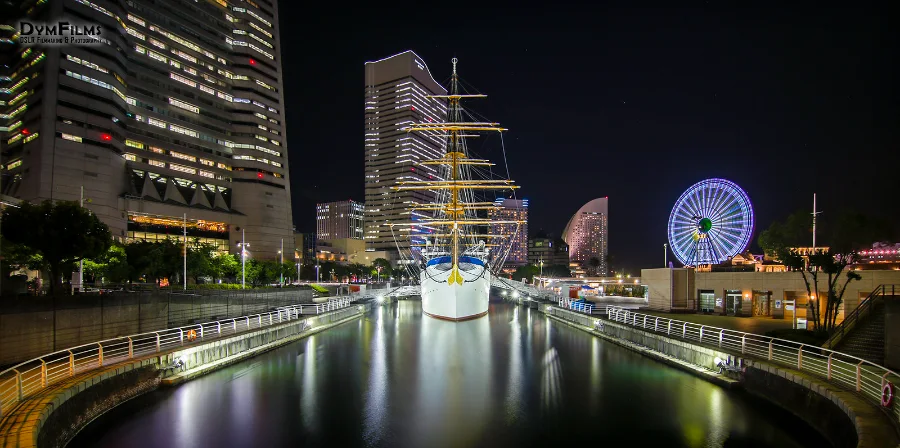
60,33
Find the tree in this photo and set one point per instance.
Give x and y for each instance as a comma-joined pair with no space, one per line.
812,267
200,259
224,266
527,272
796,231
385,266
112,266
62,233
557,270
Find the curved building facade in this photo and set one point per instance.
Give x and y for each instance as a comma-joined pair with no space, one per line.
587,235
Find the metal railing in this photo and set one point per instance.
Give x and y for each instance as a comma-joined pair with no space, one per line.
582,307
863,310
846,371
25,379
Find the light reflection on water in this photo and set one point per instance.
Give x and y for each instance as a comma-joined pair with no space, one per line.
398,378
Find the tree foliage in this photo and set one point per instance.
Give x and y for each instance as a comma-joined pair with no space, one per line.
62,233
527,272
823,269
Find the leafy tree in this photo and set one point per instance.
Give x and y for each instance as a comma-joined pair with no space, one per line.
796,231
813,268
112,266
527,272
385,266
62,233
224,266
853,231
200,259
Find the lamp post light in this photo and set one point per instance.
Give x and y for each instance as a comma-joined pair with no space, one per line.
542,272
281,263
665,254
243,247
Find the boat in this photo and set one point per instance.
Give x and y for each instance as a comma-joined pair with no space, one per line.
452,248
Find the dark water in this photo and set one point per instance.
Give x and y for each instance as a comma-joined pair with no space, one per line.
398,378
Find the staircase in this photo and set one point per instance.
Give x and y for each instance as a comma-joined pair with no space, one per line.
866,340
861,334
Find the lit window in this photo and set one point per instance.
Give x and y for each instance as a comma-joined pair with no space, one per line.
157,163
134,144
181,156
130,157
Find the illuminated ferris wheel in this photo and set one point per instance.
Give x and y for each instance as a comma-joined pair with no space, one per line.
711,222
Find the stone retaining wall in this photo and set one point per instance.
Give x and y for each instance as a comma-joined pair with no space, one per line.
844,418
52,417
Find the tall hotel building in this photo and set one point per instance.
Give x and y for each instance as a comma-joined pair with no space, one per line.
587,235
177,112
515,234
396,97
337,220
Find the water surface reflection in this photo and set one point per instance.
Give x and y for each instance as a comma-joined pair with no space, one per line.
398,378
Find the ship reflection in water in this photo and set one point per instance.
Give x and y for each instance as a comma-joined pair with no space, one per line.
398,378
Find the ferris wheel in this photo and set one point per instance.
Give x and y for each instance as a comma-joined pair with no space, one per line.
711,221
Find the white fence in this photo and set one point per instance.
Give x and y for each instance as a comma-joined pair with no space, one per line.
581,307
848,372
25,379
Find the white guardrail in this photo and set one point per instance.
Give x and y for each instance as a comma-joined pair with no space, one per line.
25,379
874,382
582,307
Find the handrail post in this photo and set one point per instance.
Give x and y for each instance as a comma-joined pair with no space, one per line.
201,330
71,363
100,355
656,325
800,357
157,342
234,325
721,336
130,348
701,334
43,373
829,365
743,343
669,330
859,377
684,331
260,320
218,327
181,335
20,394
248,322
645,321
771,348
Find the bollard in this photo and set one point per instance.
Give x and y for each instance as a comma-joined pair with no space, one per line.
701,334
684,331
234,325
181,335
771,348
721,336
743,343
218,327
100,355
19,389
130,349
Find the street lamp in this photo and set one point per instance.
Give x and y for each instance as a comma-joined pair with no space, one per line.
665,255
542,272
281,265
243,247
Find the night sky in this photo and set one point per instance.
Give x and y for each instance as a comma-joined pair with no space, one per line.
632,103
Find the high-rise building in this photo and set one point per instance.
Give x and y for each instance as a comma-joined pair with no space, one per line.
516,235
173,116
553,252
397,90
305,248
336,220
587,235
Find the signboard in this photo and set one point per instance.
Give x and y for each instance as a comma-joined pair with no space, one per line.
718,302
801,323
778,304
789,307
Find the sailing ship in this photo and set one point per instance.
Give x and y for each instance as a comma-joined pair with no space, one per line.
458,254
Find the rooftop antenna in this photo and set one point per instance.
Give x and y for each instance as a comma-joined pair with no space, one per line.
454,60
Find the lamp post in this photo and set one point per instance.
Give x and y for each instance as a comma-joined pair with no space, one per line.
243,260
281,265
541,262
665,254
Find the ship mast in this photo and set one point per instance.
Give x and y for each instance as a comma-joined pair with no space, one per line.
455,209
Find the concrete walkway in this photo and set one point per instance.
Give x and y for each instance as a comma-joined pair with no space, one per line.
756,325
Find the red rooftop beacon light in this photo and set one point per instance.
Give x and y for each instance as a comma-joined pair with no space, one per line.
252,61
26,131
106,137
260,175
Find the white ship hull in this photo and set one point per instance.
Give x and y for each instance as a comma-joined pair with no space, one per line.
455,301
